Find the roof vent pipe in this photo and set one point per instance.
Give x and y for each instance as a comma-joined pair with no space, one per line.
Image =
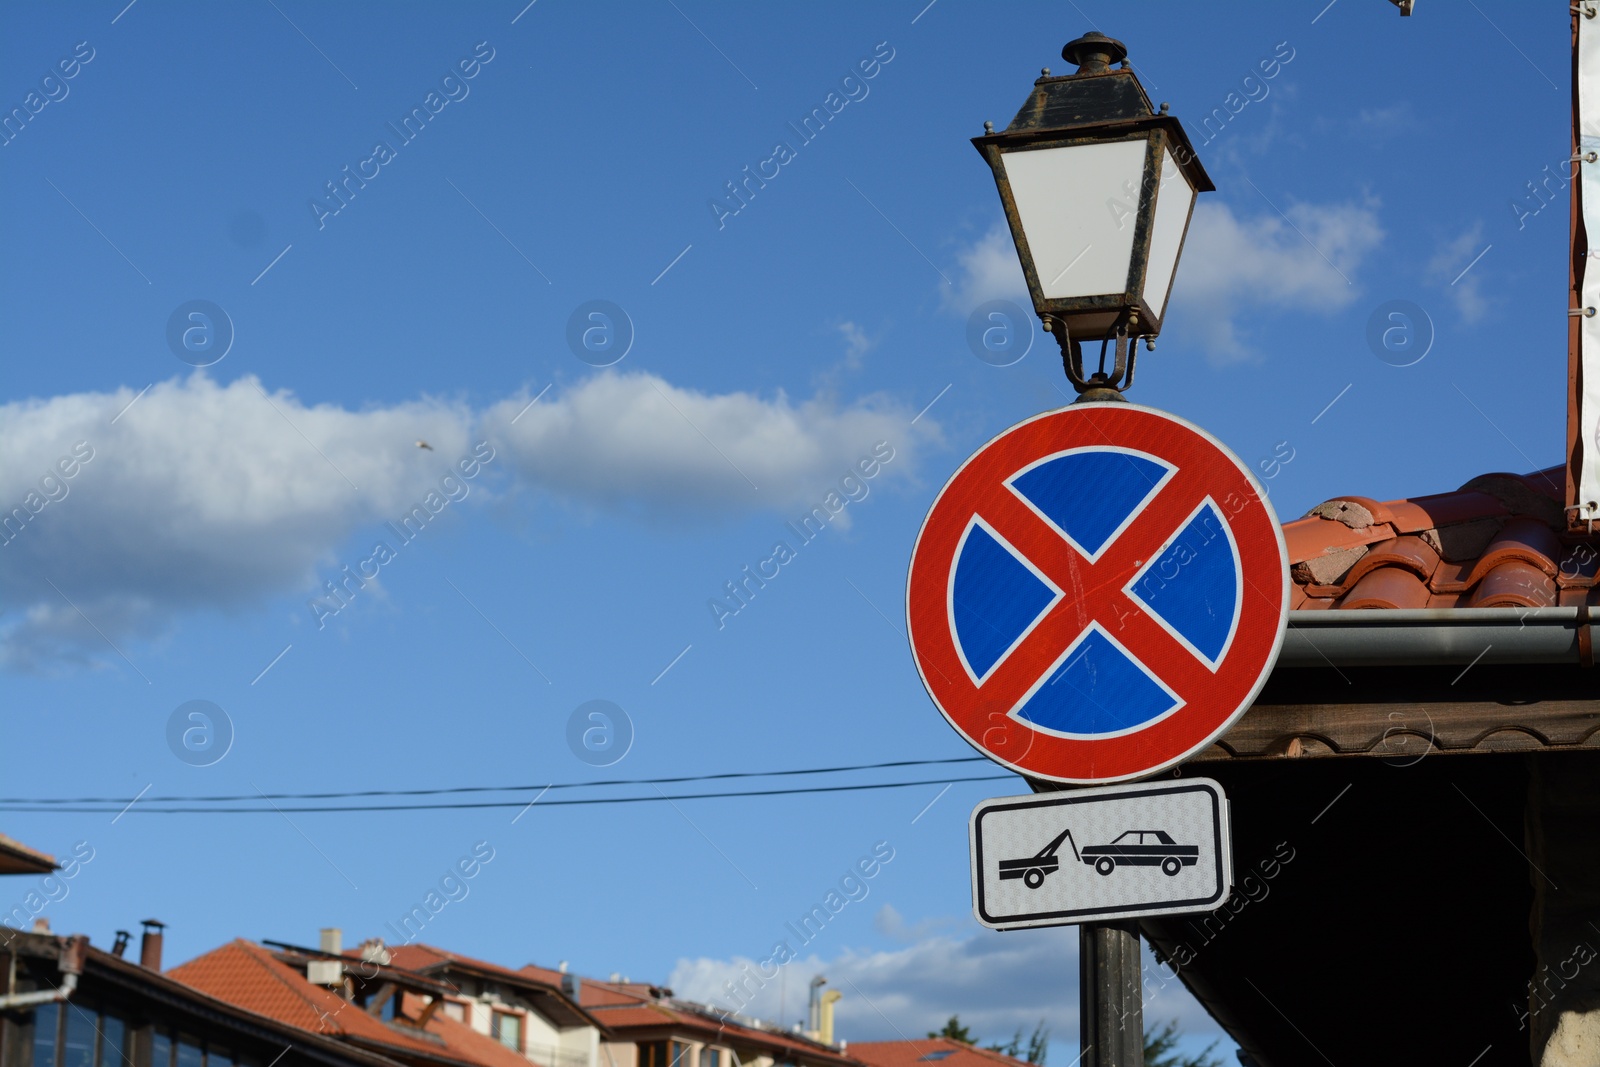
150,945
814,1008
121,945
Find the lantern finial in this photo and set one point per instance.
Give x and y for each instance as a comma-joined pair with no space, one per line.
1094,52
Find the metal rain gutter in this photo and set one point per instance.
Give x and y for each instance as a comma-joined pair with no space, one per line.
71,965
1383,637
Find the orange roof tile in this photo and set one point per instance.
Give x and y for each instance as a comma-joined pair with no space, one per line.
244,974
932,1052
681,1016
1499,541
419,957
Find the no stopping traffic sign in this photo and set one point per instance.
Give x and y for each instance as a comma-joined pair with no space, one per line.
1097,593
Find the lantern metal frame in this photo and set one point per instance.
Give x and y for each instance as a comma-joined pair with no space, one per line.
1098,105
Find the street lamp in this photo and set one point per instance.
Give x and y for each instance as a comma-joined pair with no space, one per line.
1098,188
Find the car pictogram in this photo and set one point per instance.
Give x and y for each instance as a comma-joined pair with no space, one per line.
1142,848
1135,848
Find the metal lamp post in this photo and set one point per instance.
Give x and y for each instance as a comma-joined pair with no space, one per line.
1098,188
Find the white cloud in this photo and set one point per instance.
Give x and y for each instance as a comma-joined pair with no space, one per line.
856,344
997,983
1449,270
989,271
638,441
207,496
1234,266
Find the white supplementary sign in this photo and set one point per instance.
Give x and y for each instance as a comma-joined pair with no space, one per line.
1091,855
1589,197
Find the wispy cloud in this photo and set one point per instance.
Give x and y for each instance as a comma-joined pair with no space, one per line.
1238,267
204,496
1458,269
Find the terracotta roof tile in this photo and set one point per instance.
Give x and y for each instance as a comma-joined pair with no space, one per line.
1313,537
1387,587
1499,541
418,957
1514,584
1408,552
929,1052
251,977
1356,512
1521,539
1443,509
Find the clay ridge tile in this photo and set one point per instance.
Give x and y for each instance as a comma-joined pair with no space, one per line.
1521,497
1387,587
1514,583
1310,538
1521,539
1410,553
1444,509
1356,512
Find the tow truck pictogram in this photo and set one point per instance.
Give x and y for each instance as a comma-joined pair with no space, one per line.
1135,848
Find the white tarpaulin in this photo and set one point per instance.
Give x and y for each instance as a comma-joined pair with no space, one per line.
1589,194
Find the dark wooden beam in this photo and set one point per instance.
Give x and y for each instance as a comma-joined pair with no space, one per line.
1402,714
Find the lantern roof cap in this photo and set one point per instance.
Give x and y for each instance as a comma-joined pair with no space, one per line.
1094,52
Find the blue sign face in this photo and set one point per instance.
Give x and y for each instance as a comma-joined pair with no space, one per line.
1191,586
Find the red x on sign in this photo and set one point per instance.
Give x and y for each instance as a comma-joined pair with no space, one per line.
1097,594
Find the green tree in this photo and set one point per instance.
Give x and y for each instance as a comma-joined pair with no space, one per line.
1160,1048
1038,1045
954,1031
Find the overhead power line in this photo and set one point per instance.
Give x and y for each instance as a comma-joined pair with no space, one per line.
522,788
59,808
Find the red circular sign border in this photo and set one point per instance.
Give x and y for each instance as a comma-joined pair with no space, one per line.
1080,761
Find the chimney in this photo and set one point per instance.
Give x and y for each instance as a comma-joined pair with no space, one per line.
150,945
122,943
825,1010
332,941
814,1008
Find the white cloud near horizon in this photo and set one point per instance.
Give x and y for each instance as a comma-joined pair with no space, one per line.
204,496
1234,266
998,983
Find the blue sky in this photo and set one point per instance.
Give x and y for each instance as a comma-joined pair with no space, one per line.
773,350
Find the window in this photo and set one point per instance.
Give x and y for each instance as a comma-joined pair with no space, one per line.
46,1022
682,1055
189,1054
160,1049
653,1054
78,1049
711,1057
506,1029
113,1042
215,1057
455,1010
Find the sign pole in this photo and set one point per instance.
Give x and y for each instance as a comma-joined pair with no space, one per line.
1110,999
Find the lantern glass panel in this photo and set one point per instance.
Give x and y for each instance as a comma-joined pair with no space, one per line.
1173,200
1079,208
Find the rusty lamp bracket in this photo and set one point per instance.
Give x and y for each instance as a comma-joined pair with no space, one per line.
1100,386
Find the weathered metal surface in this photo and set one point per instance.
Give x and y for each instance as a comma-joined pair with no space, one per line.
1110,996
